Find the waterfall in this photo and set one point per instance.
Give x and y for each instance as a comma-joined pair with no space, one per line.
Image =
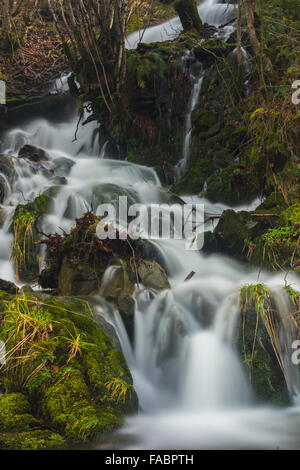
210,12
192,386
182,165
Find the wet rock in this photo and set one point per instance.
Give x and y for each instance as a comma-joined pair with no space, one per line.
209,30
56,108
59,180
26,290
3,215
260,361
108,329
118,287
7,168
63,166
232,230
153,276
8,287
118,280
53,191
26,252
126,306
34,154
3,189
231,233
77,279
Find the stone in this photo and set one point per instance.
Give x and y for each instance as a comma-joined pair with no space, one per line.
8,287
63,166
34,154
77,279
153,276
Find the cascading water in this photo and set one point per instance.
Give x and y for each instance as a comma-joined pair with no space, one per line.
182,165
192,388
210,11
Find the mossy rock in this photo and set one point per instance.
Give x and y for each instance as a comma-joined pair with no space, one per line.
212,50
25,250
67,405
8,287
232,231
15,413
79,386
7,168
255,346
232,185
278,246
32,440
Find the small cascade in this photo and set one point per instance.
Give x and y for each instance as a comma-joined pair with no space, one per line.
182,165
210,12
183,359
215,13
288,333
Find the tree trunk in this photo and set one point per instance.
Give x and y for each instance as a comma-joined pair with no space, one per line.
251,28
6,25
44,8
251,11
189,16
239,40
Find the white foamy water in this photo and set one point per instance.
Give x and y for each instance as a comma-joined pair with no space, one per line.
210,12
183,360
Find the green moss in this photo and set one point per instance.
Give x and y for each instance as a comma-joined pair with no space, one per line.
279,246
33,440
15,413
25,252
232,185
67,403
69,371
257,336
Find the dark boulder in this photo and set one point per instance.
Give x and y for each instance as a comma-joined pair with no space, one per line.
34,154
8,287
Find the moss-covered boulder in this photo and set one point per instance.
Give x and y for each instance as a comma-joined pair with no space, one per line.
19,429
40,439
7,176
15,413
34,154
258,343
279,246
267,236
64,374
231,234
26,253
8,287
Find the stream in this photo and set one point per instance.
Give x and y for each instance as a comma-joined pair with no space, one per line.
192,388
